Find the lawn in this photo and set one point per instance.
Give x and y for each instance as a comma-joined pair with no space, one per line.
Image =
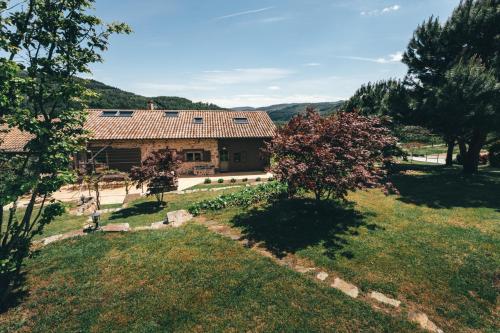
430,150
182,280
436,245
141,212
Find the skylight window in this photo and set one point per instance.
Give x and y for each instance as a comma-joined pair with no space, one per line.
117,113
171,114
240,120
197,120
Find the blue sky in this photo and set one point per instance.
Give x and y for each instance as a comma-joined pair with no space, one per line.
261,52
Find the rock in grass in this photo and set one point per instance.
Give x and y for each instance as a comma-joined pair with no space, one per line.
51,239
384,299
424,321
178,217
158,225
322,276
116,227
346,287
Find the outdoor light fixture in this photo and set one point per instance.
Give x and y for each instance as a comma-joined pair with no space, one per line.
96,216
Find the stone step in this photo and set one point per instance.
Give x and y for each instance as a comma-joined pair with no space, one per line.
345,287
116,227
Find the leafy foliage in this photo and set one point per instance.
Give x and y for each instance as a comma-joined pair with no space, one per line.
494,154
44,46
450,66
242,198
159,172
330,156
382,98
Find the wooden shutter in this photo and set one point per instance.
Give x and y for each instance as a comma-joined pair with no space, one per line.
207,157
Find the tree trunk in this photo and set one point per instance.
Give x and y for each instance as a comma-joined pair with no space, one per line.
449,152
471,157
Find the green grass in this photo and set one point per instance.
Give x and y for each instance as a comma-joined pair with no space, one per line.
182,280
141,212
437,149
214,185
145,211
437,244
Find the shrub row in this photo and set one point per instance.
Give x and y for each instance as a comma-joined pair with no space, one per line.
242,198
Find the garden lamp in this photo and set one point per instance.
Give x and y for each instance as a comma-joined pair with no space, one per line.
96,216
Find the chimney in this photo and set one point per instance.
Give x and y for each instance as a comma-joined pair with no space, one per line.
151,105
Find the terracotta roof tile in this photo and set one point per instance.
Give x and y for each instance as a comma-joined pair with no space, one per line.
13,140
153,124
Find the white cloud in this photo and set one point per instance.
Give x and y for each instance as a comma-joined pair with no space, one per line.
274,19
162,89
245,75
382,11
312,64
274,88
246,12
392,58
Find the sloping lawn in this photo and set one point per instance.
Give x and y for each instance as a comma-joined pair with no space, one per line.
437,244
182,280
141,212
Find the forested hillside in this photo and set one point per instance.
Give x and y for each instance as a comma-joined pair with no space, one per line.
114,98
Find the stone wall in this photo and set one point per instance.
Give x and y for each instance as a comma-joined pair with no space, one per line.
148,146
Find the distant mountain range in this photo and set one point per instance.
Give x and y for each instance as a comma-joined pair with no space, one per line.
284,112
113,98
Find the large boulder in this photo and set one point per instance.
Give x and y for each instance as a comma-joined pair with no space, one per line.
178,217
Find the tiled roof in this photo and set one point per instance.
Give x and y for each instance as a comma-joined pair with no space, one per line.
12,140
153,124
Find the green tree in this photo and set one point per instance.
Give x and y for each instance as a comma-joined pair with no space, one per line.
432,56
45,44
469,95
382,98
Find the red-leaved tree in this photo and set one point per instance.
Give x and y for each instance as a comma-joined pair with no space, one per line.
159,172
330,156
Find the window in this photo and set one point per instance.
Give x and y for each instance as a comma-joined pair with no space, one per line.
117,113
240,157
240,120
198,120
224,156
172,114
194,156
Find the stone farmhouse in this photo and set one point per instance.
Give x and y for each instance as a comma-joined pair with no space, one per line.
206,141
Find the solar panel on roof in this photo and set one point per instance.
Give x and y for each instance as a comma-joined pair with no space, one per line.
117,113
240,120
171,114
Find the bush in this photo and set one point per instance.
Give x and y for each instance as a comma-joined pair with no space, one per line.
494,155
244,180
220,180
243,198
233,180
258,179
208,181
270,179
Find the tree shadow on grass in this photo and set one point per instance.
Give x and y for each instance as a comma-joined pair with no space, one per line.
17,295
287,226
441,187
143,208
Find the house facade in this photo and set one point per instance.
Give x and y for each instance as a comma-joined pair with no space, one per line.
205,141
